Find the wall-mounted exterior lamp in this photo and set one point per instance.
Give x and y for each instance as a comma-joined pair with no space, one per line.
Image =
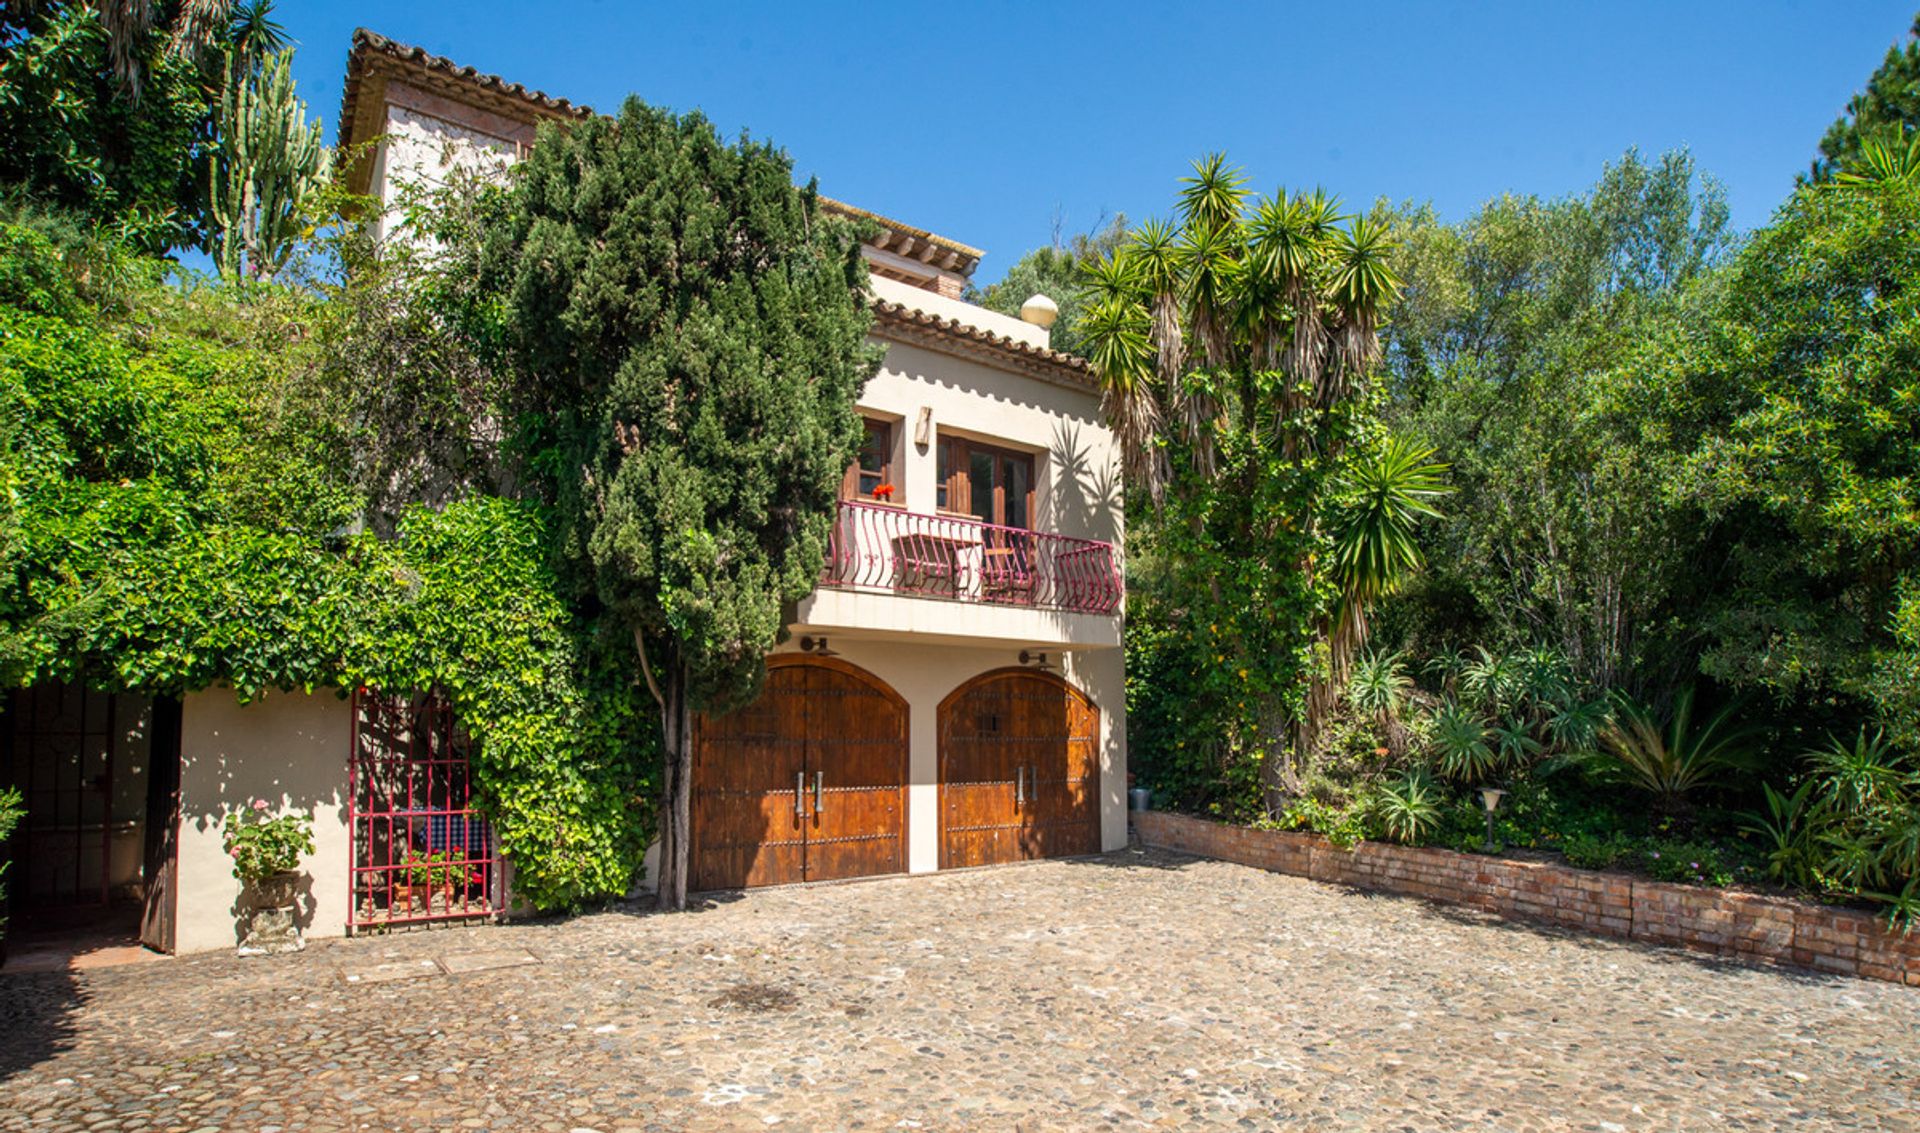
1037,660
923,427
817,646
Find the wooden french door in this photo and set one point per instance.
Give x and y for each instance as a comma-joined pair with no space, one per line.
1019,770
807,783
993,485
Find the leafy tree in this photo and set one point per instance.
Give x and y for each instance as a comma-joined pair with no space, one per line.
687,333
410,351
1505,353
107,111
1889,109
1058,272
1795,379
1234,352
266,175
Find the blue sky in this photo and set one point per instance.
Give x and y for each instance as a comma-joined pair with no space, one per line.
984,122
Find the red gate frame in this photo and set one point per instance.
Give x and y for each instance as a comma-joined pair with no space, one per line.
409,774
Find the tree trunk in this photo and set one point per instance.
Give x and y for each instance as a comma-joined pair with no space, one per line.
676,803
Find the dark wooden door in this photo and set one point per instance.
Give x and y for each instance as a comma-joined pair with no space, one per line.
808,783
980,798
857,774
1019,770
1063,793
749,772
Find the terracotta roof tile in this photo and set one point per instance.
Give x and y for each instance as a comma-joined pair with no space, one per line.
891,319
368,43
373,57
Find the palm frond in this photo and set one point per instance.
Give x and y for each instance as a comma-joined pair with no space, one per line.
1215,196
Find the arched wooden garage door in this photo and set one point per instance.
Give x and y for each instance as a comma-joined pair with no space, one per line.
1019,770
807,783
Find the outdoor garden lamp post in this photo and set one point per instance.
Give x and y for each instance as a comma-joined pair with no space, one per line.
1490,801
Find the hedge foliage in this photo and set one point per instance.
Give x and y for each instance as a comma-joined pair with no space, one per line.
174,517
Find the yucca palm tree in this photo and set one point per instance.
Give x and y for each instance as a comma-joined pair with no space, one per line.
1883,160
1388,492
1248,315
194,28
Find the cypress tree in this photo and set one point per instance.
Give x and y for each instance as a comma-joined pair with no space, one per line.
687,333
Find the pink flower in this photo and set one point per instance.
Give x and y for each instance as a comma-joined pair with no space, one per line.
260,804
235,852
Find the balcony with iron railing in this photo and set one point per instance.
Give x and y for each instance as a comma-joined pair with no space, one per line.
880,548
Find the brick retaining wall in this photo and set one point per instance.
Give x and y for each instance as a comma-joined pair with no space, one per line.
1742,926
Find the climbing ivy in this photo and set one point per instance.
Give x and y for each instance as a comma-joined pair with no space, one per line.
174,517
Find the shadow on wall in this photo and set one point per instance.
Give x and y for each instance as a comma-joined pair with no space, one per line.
39,1009
289,749
1083,499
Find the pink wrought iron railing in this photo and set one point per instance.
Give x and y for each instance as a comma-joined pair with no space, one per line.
876,547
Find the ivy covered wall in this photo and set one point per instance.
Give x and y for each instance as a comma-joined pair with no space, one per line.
174,513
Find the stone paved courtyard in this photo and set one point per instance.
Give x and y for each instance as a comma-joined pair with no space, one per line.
1141,989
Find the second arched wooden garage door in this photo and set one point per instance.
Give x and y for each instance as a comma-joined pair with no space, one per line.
807,783
1019,770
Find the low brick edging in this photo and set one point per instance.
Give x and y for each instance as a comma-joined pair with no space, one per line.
1740,926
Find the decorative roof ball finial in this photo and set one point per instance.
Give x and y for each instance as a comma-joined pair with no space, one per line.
1040,311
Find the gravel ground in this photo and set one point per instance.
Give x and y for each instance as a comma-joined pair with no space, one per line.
1133,990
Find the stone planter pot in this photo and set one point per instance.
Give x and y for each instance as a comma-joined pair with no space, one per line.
272,914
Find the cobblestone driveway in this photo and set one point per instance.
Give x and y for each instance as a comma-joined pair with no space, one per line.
1137,990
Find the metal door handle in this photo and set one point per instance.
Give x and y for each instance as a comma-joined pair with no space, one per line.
799,794
819,777
1019,787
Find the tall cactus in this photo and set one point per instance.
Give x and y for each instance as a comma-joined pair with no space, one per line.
266,172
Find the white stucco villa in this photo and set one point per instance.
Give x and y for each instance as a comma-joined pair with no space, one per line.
951,695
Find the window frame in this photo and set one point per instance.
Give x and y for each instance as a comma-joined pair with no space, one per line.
956,453
851,487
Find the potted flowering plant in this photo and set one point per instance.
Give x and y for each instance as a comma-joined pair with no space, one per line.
421,874
266,852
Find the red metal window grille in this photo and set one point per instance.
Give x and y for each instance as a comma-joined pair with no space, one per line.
421,850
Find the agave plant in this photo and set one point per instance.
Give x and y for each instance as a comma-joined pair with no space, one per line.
1852,859
1379,685
1460,744
1575,725
1542,680
1785,832
1855,777
1407,808
1902,908
1490,680
1670,759
1513,743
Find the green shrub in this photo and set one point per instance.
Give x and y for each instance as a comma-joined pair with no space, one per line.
1786,835
1592,852
1690,862
1460,744
1343,825
1667,759
1407,809
11,812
